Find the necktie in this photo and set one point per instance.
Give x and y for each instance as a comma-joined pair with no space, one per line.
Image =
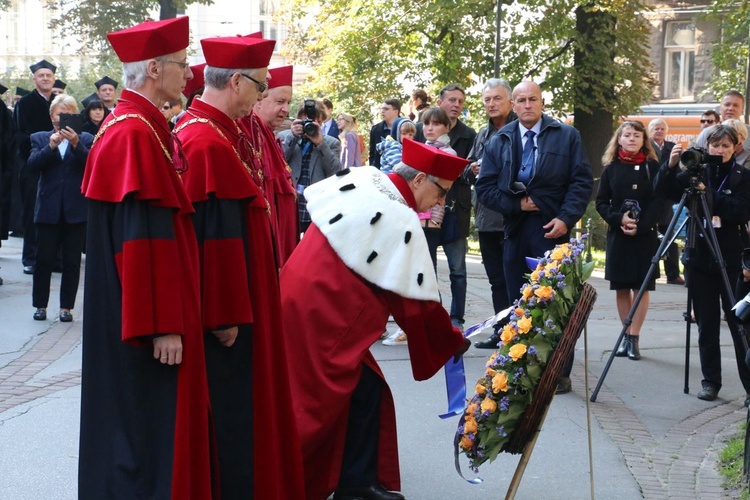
527,158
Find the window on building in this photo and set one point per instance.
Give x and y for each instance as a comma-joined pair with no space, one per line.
679,59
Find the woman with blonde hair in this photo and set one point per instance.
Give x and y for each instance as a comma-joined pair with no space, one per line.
628,203
351,154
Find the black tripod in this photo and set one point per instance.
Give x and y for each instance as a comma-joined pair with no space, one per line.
697,206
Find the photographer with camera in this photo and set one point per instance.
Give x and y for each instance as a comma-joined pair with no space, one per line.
628,203
311,155
726,187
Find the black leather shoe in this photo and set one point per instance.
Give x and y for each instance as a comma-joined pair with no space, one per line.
622,351
633,352
374,492
40,314
490,343
708,393
28,269
66,317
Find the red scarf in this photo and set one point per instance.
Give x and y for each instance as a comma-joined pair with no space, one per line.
631,159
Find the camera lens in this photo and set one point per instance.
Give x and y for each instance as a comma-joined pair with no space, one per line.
691,158
310,129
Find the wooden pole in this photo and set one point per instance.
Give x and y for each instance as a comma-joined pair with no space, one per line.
525,457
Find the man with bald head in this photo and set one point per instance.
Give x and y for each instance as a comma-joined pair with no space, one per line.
535,173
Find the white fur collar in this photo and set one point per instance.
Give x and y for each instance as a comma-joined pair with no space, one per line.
369,225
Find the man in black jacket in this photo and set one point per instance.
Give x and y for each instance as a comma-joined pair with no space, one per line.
390,110
457,219
31,114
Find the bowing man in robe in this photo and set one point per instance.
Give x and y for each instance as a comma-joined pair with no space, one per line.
145,424
364,257
245,356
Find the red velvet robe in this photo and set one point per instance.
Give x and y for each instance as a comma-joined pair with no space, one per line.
240,284
336,316
145,426
279,188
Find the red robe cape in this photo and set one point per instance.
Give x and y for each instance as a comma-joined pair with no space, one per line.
145,426
335,316
240,286
279,188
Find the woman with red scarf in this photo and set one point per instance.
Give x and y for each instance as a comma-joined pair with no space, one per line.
628,203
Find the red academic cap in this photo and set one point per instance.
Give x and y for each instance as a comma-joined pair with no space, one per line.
257,34
280,77
198,79
151,39
431,160
237,52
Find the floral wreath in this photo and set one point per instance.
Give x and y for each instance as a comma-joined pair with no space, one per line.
537,321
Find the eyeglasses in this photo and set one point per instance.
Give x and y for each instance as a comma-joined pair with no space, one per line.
166,107
182,65
442,193
708,121
262,86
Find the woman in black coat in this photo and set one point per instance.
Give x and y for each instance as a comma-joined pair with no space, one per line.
93,116
628,203
60,212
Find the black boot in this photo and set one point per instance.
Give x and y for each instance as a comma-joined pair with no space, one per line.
490,343
624,346
633,352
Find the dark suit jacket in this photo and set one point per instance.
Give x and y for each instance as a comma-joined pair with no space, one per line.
663,155
334,130
376,134
31,114
59,195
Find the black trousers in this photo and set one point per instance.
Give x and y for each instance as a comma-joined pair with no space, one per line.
50,237
360,463
230,386
672,260
29,184
706,290
491,246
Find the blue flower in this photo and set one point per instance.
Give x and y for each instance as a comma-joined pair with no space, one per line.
532,350
504,403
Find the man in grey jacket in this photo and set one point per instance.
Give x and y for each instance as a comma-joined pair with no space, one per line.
312,157
496,96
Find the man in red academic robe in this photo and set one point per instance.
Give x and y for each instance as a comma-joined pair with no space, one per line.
257,443
269,113
363,258
145,428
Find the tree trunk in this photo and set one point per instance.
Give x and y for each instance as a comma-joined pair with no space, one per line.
167,9
595,125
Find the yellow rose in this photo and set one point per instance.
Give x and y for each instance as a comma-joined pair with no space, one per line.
489,372
507,334
470,425
527,292
544,292
524,325
466,443
560,252
517,351
551,265
499,383
471,409
520,312
489,404
535,275
481,389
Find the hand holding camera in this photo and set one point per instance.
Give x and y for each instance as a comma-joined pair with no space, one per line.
309,127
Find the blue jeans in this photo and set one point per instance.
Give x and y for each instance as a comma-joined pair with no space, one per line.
455,251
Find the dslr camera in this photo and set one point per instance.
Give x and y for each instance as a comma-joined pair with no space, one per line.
696,159
309,127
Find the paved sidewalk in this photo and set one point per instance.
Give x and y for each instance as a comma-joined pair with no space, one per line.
650,440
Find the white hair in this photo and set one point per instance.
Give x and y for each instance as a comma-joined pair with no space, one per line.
218,78
134,73
408,173
64,100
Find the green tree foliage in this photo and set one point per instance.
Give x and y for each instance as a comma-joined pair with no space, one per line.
730,52
91,20
364,51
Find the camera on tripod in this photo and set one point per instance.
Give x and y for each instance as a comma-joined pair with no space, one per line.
696,159
309,127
